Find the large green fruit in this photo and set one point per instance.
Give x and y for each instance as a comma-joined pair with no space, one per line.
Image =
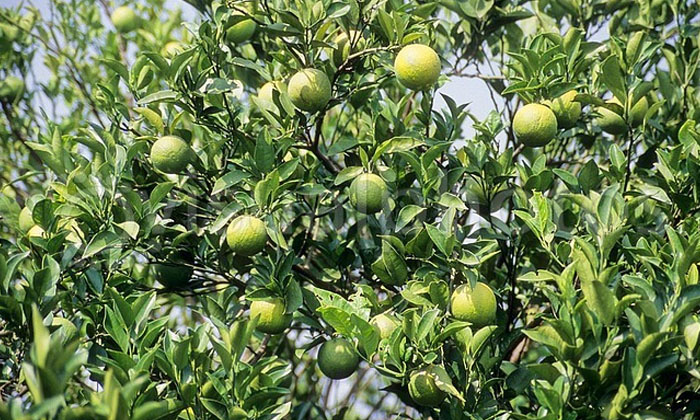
309,90
423,389
124,19
176,271
477,305
535,125
271,315
337,358
246,235
367,193
240,31
11,89
170,154
417,66
385,324
566,109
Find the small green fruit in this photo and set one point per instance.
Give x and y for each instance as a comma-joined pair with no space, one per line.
337,358
271,315
423,389
241,31
124,19
246,235
11,89
535,125
367,193
566,109
309,90
477,305
344,44
171,49
385,325
417,66
170,154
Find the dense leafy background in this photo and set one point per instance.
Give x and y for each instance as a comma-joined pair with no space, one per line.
591,243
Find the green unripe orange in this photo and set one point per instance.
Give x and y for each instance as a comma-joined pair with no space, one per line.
477,305
423,389
124,19
535,125
238,414
171,49
246,235
337,358
240,31
8,34
309,90
25,219
170,154
385,325
367,193
270,315
11,89
417,66
344,44
266,91
566,109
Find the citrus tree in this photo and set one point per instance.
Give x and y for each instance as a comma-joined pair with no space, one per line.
300,209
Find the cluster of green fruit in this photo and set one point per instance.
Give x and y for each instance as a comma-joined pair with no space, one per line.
535,125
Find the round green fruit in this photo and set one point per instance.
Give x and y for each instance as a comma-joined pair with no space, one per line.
246,235
170,154
566,109
337,358
417,66
270,315
367,193
171,49
265,93
208,390
124,19
26,221
535,125
477,305
309,90
11,89
385,325
238,414
175,272
240,31
344,44
423,389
